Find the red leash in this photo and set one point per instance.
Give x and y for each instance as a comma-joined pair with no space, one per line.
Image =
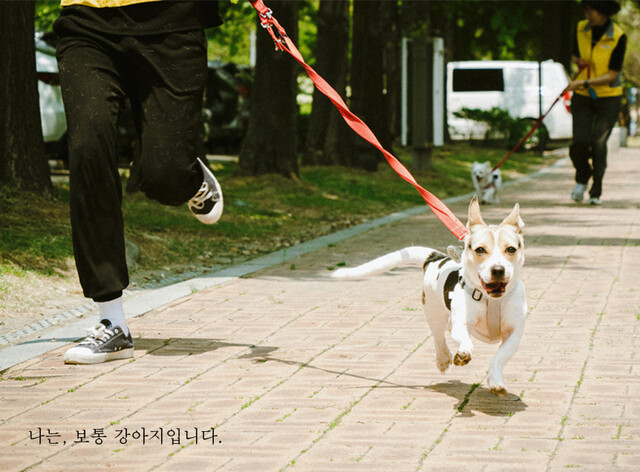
282,42
536,124
529,134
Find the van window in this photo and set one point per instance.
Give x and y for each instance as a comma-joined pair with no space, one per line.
478,80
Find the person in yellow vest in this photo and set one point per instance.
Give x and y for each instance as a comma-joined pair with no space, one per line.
599,49
155,54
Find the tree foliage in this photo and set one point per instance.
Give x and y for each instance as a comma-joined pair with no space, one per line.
505,29
509,30
47,12
629,19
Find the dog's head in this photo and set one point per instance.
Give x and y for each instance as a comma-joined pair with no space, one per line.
493,254
481,171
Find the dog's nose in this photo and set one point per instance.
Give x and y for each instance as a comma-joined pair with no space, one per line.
497,271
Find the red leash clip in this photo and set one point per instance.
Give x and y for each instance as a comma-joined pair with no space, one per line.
268,22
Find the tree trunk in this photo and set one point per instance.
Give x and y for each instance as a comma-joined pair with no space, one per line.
22,160
368,100
270,145
332,44
557,42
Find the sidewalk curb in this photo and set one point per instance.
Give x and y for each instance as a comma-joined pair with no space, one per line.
141,302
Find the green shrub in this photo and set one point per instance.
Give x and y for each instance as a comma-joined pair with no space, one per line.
500,125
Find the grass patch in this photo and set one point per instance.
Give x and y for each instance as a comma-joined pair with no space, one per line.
35,233
262,214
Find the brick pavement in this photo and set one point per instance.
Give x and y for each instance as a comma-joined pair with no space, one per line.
298,371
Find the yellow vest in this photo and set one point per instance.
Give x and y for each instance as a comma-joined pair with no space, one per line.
598,58
103,3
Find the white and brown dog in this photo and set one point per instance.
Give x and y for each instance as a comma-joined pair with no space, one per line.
487,182
479,295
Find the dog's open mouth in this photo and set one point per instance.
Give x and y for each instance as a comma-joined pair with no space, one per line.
495,289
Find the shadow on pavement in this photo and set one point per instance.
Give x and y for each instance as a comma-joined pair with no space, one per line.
193,346
477,398
470,397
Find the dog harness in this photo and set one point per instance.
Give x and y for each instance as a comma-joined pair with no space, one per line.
491,184
454,278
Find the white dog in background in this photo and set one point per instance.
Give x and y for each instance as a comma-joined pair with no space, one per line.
487,182
480,295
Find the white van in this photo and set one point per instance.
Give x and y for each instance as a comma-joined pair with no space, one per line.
52,117
512,86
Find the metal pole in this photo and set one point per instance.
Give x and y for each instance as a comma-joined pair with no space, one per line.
540,140
404,108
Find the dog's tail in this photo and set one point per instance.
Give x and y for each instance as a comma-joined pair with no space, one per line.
384,263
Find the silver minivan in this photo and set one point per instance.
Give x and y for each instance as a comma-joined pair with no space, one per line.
520,87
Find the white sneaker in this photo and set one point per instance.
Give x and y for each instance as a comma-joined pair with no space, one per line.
578,192
207,204
595,201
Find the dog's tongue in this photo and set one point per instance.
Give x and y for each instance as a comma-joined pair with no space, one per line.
494,288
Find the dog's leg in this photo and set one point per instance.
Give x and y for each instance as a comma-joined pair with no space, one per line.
513,317
490,195
438,321
510,341
459,332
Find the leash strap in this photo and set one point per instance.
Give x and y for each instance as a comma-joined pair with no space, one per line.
282,42
536,124
528,135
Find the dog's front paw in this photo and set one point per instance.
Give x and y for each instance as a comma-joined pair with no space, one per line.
462,358
498,389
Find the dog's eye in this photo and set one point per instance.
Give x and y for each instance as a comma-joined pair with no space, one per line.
511,250
480,251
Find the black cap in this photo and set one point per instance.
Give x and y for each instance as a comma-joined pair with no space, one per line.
606,7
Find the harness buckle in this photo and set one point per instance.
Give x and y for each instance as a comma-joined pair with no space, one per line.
476,293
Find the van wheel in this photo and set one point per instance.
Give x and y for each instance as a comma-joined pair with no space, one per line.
539,140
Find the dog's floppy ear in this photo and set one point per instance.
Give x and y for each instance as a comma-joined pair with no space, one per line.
514,219
475,218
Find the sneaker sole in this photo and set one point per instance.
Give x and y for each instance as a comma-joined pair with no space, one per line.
216,213
91,358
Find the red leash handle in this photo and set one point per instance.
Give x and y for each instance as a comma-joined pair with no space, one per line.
283,42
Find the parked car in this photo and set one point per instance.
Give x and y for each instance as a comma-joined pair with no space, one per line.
52,118
513,86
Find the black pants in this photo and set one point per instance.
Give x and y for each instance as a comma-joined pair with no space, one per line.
163,77
593,121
